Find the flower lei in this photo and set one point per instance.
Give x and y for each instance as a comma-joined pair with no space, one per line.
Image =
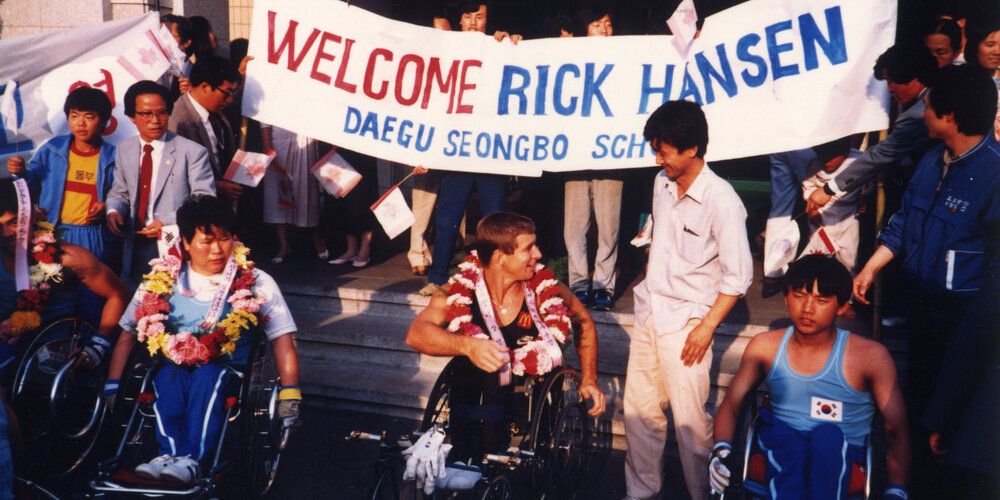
187,347
532,358
44,271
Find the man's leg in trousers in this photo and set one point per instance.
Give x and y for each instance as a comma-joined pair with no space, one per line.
492,191
829,463
171,388
576,223
203,419
452,198
787,172
687,390
787,453
645,422
424,194
607,212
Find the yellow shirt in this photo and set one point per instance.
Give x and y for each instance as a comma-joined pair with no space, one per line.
81,186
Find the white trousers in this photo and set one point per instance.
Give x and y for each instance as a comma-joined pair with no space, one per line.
656,377
605,197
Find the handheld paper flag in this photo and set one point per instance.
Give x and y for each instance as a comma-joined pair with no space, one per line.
820,243
335,175
248,168
393,213
683,24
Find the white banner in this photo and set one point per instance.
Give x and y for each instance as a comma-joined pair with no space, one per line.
772,75
46,67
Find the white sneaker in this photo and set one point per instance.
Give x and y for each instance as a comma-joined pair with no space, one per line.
182,470
154,467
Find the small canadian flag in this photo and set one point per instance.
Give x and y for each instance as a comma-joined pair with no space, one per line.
827,409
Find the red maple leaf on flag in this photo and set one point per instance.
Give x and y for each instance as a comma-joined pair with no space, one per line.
147,56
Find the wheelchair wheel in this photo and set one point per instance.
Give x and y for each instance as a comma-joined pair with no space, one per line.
59,407
133,422
559,433
740,455
499,489
437,409
267,435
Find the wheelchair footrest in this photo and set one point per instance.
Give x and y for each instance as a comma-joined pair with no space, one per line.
126,478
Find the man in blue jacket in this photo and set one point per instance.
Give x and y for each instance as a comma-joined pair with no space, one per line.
947,232
72,174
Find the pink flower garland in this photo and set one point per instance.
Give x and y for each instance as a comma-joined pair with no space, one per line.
532,358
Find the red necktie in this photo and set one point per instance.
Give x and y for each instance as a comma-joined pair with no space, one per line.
145,179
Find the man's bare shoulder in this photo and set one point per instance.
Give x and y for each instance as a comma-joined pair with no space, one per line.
764,345
866,351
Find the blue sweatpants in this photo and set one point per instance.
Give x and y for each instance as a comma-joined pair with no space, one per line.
189,409
813,465
94,239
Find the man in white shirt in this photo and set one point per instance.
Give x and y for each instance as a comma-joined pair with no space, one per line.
155,172
699,266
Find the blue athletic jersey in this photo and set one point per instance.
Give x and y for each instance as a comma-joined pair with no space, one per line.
803,402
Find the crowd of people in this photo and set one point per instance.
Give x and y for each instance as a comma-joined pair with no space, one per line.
153,216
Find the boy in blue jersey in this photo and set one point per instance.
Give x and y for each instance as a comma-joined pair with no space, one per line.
824,386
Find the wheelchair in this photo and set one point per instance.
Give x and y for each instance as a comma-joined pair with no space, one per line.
245,460
59,406
547,450
748,461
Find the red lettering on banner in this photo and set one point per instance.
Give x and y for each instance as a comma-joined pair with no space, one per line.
321,55
463,108
448,84
341,84
109,90
370,74
273,56
418,79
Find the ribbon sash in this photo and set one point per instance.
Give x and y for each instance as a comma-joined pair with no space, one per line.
543,330
486,308
23,233
219,300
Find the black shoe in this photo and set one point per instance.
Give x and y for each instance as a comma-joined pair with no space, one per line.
583,296
771,287
600,300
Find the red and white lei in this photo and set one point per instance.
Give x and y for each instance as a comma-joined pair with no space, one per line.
42,273
189,347
532,358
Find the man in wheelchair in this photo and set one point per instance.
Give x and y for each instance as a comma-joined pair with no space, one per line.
42,274
504,318
824,385
198,314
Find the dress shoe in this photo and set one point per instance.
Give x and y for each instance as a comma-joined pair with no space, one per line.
420,270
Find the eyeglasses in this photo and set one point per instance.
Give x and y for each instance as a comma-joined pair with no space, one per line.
147,115
227,93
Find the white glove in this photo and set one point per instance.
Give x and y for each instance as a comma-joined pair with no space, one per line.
422,459
718,473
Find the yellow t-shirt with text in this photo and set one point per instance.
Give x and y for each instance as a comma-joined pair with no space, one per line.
81,186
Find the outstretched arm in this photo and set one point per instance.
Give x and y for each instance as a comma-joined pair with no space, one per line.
98,278
585,336
427,336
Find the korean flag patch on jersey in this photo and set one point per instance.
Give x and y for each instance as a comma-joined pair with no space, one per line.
826,409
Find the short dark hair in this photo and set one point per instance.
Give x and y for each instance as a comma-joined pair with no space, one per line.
146,87
977,28
587,14
202,212
827,273
201,39
680,124
904,63
829,150
499,231
467,6
184,28
214,71
89,99
969,95
8,196
948,28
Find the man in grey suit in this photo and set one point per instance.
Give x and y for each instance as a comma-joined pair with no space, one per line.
157,172
907,71
198,116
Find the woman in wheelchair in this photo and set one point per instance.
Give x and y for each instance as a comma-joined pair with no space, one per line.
503,319
198,315
824,385
52,271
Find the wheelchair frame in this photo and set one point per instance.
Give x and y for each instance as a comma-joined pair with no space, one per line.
747,428
42,410
550,454
253,410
